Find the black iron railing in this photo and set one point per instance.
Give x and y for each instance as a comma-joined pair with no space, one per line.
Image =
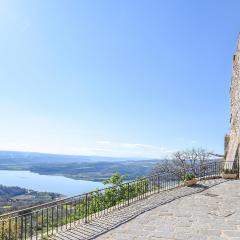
42,221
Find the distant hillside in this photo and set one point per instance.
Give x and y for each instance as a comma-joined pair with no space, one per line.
14,156
77,167
8,192
14,198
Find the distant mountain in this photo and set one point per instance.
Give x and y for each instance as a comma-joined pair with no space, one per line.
14,156
77,167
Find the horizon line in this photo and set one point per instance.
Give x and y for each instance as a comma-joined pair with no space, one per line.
79,155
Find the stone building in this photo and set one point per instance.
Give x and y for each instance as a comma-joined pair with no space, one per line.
232,140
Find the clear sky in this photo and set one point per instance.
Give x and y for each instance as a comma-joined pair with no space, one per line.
134,78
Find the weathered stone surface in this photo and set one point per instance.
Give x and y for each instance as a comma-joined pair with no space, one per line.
184,213
232,140
200,216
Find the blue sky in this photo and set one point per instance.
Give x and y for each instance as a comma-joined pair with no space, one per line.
117,78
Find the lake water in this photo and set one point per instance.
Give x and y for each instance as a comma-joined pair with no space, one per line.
47,183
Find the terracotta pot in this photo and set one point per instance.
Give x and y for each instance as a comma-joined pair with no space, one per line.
229,175
190,182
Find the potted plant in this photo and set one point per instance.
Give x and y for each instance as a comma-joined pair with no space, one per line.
189,179
229,173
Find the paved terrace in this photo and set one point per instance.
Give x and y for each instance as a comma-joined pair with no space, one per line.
210,211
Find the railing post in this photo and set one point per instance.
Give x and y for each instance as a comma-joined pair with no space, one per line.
215,169
128,193
2,228
238,167
86,209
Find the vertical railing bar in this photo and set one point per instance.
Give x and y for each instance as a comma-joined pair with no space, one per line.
31,226
167,181
22,227
79,210
37,225
9,228
150,185
104,203
70,215
98,203
75,210
25,227
146,186
57,218
118,198
52,219
167,175
140,189
137,190
155,183
2,228
47,222
89,208
66,215
128,192
42,229
86,207
152,179
112,199
95,204
143,187
16,228
62,216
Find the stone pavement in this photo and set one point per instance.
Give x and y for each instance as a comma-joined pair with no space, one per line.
210,211
213,214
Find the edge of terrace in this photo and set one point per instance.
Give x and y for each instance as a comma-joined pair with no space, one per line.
50,219
102,225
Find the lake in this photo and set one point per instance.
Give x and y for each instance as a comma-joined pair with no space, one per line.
47,183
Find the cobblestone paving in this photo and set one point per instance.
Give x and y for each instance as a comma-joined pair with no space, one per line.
210,211
210,215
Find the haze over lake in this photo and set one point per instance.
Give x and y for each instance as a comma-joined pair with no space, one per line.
47,183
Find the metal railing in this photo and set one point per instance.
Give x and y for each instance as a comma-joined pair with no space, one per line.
43,221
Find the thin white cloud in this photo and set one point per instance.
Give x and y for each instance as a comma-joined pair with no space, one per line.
100,148
131,149
139,145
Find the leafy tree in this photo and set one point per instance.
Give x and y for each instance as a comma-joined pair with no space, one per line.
115,180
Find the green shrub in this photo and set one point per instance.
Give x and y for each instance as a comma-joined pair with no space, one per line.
188,176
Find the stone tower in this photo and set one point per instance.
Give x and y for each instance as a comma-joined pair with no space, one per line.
232,140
